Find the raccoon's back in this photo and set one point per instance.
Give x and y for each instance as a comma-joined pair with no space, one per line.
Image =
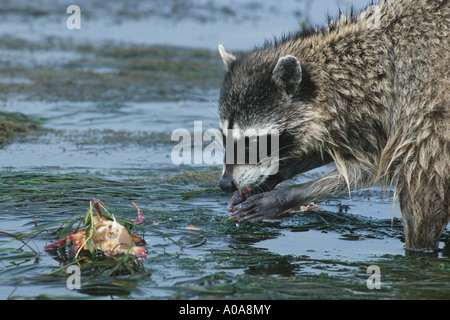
420,33
419,29
420,107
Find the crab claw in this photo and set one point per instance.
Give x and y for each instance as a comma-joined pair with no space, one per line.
57,244
140,252
96,203
141,218
77,237
137,240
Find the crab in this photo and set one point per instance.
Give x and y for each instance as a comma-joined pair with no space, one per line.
104,234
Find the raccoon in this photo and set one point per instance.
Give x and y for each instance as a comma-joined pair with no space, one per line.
369,92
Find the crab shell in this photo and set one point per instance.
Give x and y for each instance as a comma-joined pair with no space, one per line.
108,236
113,238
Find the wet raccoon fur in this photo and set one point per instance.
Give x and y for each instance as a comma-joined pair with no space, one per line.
369,93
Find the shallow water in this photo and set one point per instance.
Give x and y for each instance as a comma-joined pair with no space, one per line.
108,97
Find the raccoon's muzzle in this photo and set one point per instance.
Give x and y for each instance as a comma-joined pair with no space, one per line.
226,183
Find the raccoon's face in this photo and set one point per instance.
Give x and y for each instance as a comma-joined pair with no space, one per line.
251,157
256,118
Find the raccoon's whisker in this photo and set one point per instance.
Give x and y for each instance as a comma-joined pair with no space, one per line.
218,142
212,104
244,178
220,145
278,159
261,185
273,159
286,146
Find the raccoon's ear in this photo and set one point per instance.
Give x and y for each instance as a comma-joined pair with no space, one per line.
288,73
227,58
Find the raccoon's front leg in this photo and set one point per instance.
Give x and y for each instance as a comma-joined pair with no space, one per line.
267,205
274,204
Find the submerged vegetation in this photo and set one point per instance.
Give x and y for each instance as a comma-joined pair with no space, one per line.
109,72
194,251
15,125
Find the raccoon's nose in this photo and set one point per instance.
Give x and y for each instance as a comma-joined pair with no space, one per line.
227,184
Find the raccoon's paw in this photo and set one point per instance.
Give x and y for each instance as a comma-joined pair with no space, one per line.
258,207
240,196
